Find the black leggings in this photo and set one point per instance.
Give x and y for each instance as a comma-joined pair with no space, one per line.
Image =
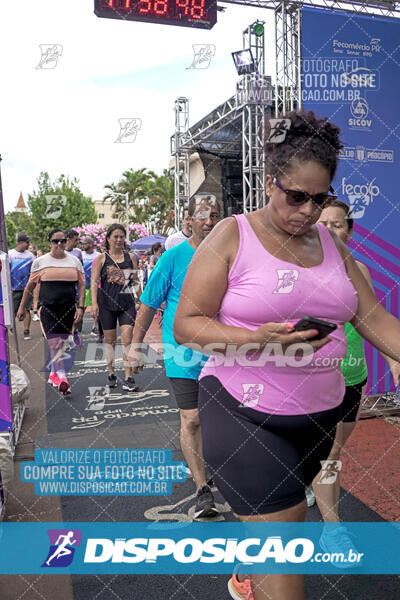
261,463
109,318
351,401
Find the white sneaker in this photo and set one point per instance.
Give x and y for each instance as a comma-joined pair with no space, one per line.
35,317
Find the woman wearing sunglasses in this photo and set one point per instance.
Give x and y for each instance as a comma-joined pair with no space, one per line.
268,417
57,273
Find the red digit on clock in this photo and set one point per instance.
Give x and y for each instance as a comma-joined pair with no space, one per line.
197,9
144,6
184,5
160,7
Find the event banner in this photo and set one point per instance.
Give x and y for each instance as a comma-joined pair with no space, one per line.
350,73
193,548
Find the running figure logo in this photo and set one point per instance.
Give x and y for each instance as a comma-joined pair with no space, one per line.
62,547
251,394
286,280
203,54
54,206
128,129
50,55
330,471
279,129
97,397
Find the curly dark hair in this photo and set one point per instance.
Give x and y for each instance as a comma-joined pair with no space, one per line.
308,139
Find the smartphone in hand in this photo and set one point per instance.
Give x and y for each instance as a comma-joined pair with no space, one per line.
324,327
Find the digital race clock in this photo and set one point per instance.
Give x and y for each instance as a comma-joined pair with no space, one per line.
186,13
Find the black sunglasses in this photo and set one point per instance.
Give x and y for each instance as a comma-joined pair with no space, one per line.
60,241
297,197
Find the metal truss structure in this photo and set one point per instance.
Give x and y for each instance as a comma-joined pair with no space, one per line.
287,58
382,8
181,153
380,405
235,128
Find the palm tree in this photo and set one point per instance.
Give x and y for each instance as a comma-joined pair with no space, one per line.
134,183
160,191
117,199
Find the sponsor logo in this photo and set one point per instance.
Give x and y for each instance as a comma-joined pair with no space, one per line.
286,280
360,196
354,48
62,547
362,154
190,550
359,110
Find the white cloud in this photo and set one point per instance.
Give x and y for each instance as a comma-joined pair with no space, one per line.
65,120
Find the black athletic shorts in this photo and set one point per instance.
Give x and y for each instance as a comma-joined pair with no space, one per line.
351,402
109,318
186,392
261,463
57,318
17,297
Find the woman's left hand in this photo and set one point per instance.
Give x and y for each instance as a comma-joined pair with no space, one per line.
78,315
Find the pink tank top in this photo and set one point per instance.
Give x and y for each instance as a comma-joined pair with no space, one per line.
263,289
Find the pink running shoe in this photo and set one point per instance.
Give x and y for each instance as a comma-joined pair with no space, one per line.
64,386
240,590
54,380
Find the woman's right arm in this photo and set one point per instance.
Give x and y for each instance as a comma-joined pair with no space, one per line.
204,287
30,286
94,283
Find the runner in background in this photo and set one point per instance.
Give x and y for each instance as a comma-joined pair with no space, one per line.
165,285
72,243
155,253
339,219
72,236
58,273
88,256
114,301
20,266
177,238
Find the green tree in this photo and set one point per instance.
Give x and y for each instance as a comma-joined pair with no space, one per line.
59,203
160,209
22,221
11,232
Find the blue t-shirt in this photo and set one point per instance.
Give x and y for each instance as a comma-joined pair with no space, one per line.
20,268
87,260
165,284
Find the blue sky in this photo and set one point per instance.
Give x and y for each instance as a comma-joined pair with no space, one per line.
65,119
